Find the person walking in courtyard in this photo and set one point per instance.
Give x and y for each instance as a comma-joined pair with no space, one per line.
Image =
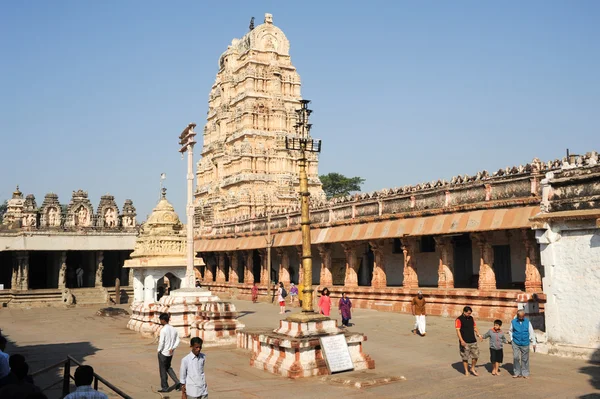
325,302
281,294
191,372
293,293
254,293
521,334
169,340
79,274
467,332
345,305
418,310
84,376
497,338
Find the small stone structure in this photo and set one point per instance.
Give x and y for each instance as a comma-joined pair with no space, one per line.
160,253
294,350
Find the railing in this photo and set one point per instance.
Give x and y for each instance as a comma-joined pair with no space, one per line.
67,377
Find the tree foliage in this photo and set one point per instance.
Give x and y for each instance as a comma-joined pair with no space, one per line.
3,208
338,185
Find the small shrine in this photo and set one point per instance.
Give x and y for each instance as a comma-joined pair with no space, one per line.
158,265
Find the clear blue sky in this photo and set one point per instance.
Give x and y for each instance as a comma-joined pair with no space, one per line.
95,93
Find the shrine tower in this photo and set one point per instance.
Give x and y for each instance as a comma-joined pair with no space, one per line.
245,169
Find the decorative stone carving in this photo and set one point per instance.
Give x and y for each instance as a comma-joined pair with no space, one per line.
252,109
487,276
107,212
409,249
99,268
446,266
62,273
14,209
67,297
248,268
79,212
30,212
533,278
352,265
128,215
379,279
51,211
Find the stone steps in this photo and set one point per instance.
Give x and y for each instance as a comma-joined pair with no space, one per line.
90,296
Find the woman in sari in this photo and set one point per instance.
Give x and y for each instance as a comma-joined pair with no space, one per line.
325,302
254,293
344,306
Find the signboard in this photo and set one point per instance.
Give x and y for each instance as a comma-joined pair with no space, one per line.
336,353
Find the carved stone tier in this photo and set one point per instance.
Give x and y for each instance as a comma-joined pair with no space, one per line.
293,350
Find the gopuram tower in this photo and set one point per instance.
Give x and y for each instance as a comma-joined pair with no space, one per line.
245,169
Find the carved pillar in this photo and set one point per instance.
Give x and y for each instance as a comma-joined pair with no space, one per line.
284,265
410,247
533,277
62,272
264,268
131,277
446,262
300,268
379,277
326,277
14,280
220,268
22,275
487,277
233,267
351,279
99,268
249,268
208,271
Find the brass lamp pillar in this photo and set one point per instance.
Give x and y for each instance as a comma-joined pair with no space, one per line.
304,143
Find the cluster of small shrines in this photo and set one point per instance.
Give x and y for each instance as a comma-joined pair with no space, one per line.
520,237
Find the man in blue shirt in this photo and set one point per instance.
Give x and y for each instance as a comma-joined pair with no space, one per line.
191,372
521,334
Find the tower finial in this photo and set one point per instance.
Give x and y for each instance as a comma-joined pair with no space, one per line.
163,194
251,23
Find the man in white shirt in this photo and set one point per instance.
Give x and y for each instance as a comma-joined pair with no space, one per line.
169,340
192,372
79,274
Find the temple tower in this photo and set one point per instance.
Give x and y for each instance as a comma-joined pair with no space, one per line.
245,169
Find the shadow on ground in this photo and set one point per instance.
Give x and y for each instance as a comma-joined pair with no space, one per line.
39,357
593,370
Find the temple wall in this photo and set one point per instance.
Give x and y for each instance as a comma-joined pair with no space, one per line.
572,284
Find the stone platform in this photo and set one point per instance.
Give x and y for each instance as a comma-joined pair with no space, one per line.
294,350
194,313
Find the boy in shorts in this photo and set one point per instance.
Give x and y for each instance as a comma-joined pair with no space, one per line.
497,338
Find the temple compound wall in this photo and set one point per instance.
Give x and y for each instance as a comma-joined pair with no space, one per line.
41,248
569,235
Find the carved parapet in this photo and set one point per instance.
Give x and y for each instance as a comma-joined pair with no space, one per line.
80,213
107,213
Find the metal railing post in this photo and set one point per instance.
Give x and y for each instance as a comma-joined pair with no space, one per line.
67,378
95,383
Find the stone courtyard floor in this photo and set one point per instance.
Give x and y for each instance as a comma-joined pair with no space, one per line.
430,364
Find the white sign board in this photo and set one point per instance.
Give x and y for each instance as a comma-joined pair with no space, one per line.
336,353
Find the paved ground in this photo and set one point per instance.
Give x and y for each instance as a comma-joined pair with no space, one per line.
431,364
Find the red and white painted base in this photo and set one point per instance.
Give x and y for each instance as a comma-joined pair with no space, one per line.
294,350
194,313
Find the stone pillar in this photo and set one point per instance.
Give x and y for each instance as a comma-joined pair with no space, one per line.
487,277
264,268
446,262
351,279
233,267
208,272
249,268
410,247
220,268
533,277
284,265
300,268
99,268
62,272
23,270
379,277
16,275
131,277
326,278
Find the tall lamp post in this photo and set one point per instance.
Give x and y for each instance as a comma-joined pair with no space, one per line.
304,143
186,141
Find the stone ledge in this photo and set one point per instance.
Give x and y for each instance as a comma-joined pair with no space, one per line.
363,379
